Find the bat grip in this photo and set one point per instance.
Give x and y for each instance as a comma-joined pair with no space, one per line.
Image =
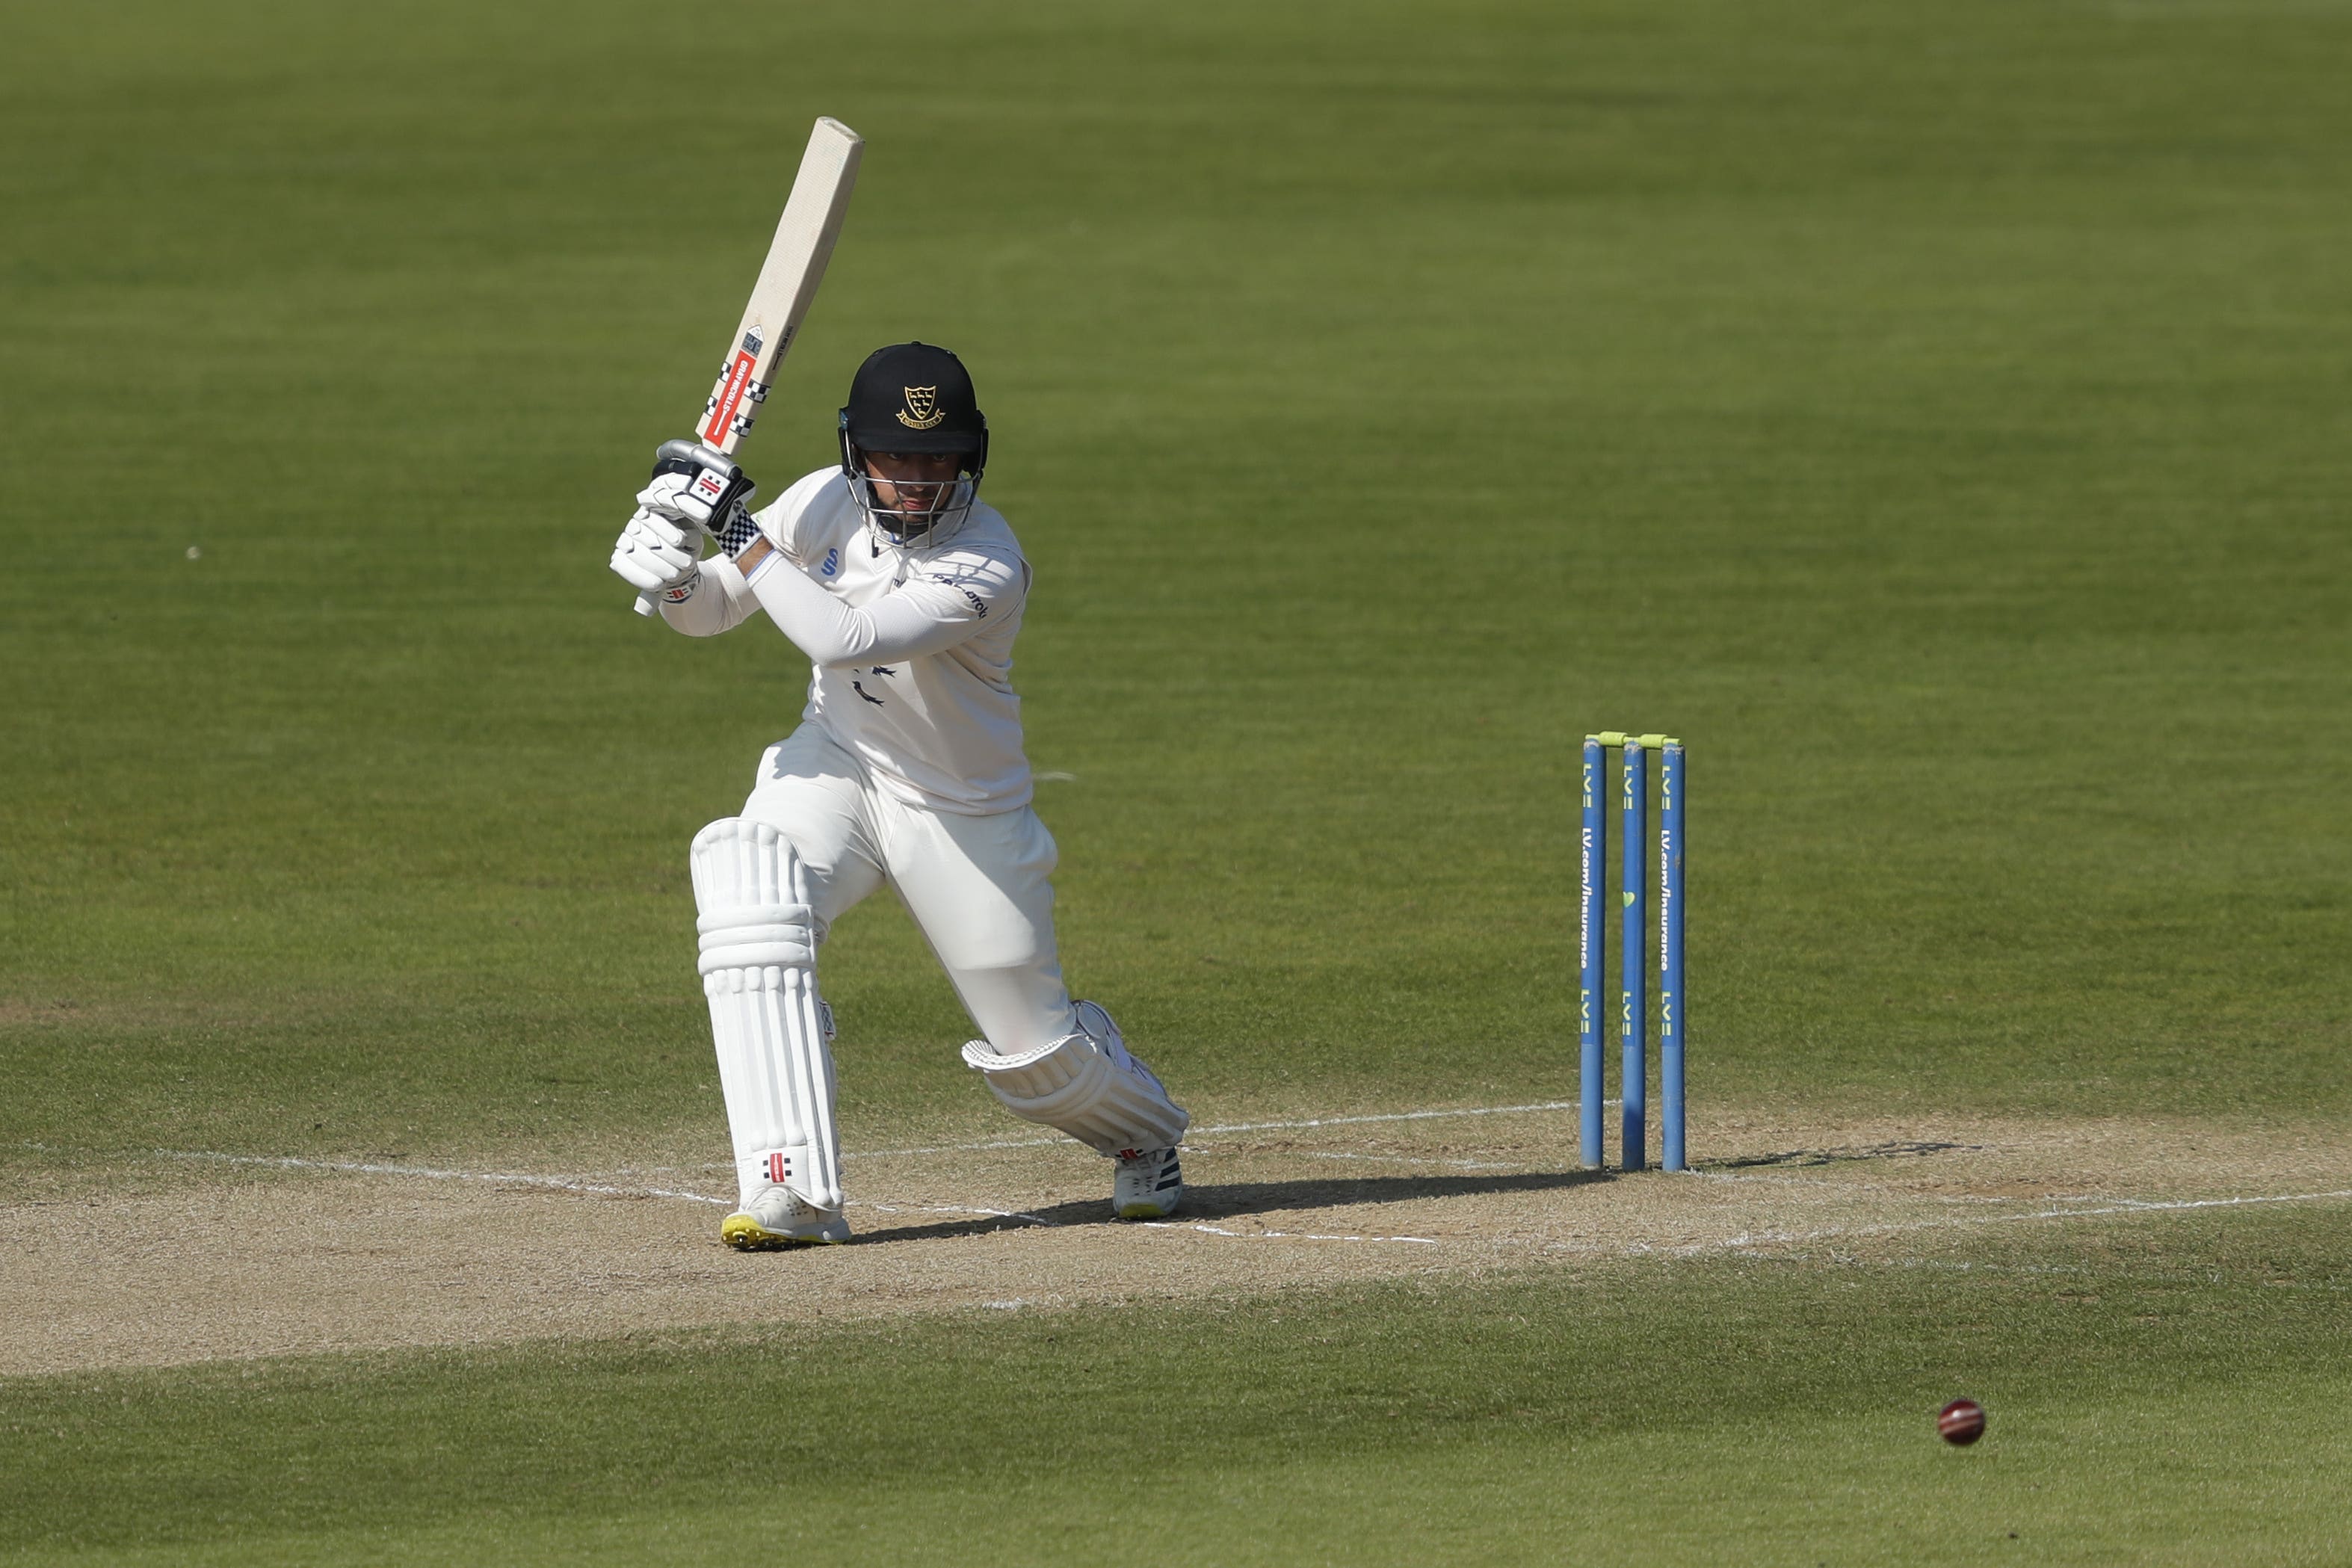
646,606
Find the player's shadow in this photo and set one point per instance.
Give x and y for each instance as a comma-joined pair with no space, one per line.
1238,1200
1235,1200
1897,1149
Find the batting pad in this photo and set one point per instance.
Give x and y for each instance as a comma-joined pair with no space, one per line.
1087,1084
759,972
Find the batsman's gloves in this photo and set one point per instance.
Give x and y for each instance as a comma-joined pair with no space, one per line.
658,555
695,484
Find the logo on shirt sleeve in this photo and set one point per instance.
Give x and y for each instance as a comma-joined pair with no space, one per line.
959,576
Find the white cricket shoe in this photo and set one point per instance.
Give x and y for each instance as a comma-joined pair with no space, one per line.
779,1217
1149,1185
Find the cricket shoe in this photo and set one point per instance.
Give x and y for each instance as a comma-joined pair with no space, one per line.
1149,1185
778,1218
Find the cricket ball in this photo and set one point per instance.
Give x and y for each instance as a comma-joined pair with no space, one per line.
1961,1421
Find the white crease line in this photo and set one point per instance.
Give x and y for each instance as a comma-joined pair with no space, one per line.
555,1183
1405,1160
1742,1242
955,1148
1836,1191
561,1185
1207,1229
1396,1116
558,1184
356,1167
1746,1241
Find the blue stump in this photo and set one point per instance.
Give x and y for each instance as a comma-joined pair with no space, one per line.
1674,1007
1591,929
1633,1009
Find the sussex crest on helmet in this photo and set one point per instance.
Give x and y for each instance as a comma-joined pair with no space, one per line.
922,410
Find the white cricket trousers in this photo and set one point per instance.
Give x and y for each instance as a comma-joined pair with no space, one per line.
979,888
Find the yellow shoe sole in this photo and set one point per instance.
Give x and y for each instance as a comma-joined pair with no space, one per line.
744,1233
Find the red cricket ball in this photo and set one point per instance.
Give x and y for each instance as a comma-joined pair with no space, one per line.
1960,1422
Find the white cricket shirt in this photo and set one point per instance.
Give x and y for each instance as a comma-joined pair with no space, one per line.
911,649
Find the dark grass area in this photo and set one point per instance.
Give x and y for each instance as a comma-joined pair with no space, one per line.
2161,1389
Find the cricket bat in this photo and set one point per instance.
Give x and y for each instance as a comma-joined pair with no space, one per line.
788,280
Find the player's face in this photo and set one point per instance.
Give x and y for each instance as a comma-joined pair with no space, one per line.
910,482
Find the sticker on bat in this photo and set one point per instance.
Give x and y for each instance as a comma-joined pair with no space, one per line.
729,396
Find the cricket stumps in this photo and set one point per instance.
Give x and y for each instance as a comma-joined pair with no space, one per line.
1632,992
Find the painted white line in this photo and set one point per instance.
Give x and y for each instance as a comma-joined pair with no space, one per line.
597,1189
2098,1207
1747,1241
496,1178
1404,1159
556,1184
1396,1116
568,1185
1207,1229
956,1148
1877,1189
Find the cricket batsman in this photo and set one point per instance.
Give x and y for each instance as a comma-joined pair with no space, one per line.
904,590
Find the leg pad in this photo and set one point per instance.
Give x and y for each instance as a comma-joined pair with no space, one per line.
1088,1085
771,1031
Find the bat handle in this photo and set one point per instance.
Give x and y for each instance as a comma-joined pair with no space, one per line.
646,606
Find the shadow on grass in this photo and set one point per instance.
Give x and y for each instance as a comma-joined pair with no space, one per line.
1239,1200
1900,1150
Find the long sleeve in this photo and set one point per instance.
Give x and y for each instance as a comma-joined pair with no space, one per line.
909,651
931,610
721,603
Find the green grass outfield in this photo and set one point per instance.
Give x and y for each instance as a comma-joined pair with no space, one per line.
1941,418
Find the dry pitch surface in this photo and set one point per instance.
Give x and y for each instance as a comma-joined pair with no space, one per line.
190,1257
